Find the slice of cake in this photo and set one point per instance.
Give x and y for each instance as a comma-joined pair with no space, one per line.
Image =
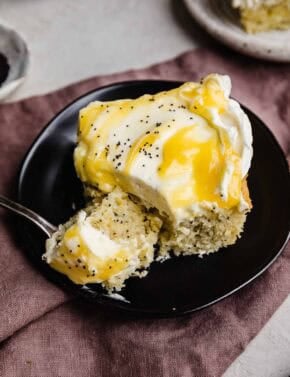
263,15
185,152
173,165
107,242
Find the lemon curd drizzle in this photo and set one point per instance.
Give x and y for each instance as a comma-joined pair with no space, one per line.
75,257
139,146
107,162
95,124
206,163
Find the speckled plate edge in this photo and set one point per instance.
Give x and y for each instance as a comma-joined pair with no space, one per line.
221,21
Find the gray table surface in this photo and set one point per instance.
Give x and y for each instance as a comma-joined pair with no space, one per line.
72,40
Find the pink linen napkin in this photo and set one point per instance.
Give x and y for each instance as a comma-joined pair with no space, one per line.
46,332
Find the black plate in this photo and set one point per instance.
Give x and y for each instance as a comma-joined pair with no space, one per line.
48,185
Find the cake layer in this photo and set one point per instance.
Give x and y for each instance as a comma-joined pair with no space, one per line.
100,245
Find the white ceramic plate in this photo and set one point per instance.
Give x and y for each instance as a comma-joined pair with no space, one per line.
222,22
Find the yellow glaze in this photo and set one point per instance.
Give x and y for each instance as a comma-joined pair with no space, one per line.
203,97
204,160
81,265
141,143
169,142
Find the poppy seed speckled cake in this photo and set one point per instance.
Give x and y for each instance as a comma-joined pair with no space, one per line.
179,158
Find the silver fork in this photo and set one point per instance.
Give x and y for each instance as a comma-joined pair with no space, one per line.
43,224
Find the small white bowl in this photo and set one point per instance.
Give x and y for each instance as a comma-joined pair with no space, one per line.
14,48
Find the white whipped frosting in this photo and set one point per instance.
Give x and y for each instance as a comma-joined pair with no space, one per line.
97,242
148,118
